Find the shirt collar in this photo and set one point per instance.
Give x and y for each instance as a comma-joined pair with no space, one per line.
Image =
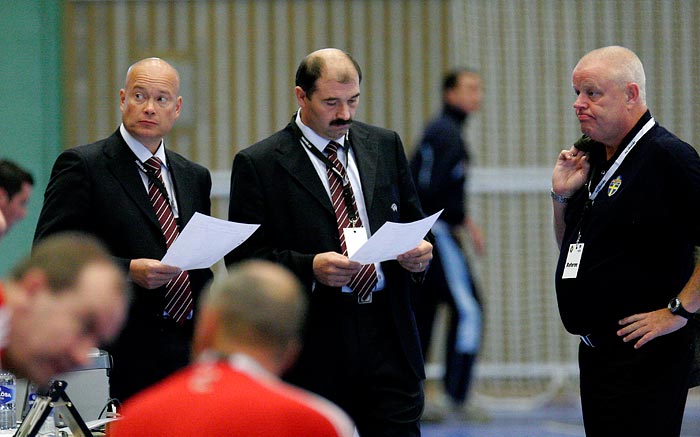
141,152
237,360
318,141
455,112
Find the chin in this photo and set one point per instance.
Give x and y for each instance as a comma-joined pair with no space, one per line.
339,134
40,378
586,131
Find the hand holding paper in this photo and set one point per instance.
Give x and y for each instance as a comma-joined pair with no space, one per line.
393,239
205,240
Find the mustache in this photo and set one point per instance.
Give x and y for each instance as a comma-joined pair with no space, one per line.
341,122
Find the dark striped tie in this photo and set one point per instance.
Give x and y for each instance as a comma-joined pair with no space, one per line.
365,280
178,293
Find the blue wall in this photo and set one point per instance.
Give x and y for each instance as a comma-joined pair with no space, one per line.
30,104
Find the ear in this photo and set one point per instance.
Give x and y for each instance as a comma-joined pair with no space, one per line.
178,106
122,99
449,96
33,282
300,95
205,331
632,92
289,355
4,197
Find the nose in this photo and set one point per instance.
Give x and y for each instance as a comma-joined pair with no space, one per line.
81,351
343,111
150,107
580,102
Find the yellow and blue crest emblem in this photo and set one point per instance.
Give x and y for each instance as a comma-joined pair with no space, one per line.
614,185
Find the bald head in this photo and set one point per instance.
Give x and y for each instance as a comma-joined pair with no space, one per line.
329,63
621,64
155,67
609,83
150,101
258,303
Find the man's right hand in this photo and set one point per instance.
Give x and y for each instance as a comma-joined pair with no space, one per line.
334,269
151,273
570,172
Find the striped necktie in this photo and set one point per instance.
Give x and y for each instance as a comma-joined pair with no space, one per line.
178,292
365,280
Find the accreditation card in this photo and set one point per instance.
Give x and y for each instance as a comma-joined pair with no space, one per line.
573,261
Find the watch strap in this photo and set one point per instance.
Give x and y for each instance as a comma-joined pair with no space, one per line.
676,307
558,197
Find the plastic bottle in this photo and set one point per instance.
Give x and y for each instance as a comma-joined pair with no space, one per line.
29,399
8,412
48,428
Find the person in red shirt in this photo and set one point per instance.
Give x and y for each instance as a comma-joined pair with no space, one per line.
247,334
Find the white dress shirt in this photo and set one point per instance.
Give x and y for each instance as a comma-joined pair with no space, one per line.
350,165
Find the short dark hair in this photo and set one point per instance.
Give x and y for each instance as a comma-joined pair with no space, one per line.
451,78
311,68
13,176
62,257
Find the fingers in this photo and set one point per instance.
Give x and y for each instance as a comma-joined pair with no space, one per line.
151,273
417,260
415,264
573,154
334,269
647,326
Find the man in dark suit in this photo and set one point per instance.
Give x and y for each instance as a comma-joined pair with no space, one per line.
360,350
107,189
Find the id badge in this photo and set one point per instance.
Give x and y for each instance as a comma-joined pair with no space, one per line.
354,239
573,261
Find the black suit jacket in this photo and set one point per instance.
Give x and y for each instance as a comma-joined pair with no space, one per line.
97,188
274,183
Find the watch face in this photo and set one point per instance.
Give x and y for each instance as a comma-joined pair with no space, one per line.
674,304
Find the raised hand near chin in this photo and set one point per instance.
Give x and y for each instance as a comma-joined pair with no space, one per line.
570,172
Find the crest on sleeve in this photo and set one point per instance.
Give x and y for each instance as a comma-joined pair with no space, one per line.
614,185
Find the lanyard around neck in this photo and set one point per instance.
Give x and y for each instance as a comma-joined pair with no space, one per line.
613,168
155,181
329,165
608,174
348,197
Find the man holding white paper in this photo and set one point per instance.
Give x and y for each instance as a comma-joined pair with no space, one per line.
361,347
135,195
391,240
204,241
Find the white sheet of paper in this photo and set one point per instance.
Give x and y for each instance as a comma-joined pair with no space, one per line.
205,240
393,239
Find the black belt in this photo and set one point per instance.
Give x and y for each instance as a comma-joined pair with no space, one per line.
168,324
601,340
372,297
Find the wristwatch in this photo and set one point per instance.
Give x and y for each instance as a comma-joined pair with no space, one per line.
677,309
558,197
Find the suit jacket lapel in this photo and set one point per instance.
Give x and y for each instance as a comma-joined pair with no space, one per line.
293,158
183,182
366,157
121,163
